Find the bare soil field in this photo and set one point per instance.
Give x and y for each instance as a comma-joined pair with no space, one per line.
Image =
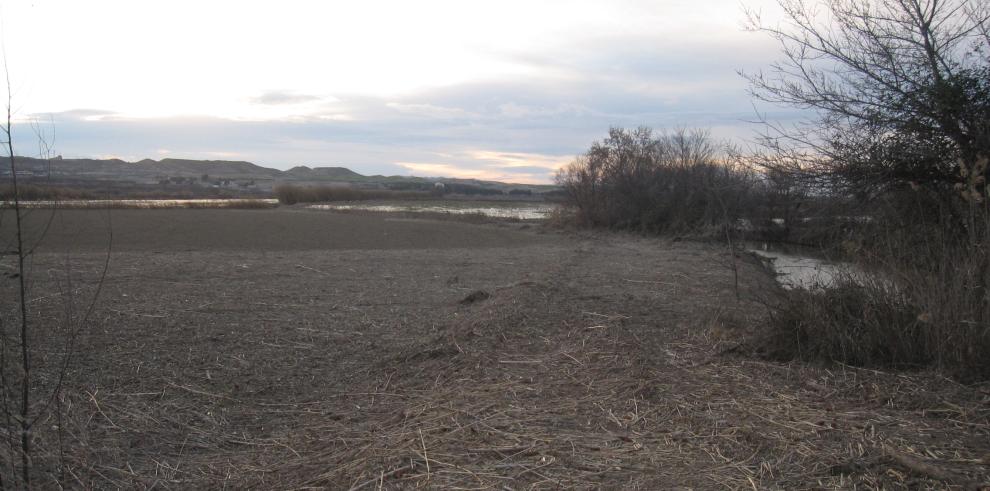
304,349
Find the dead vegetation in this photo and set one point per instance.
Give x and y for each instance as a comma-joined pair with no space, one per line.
29,192
291,194
600,362
474,217
142,204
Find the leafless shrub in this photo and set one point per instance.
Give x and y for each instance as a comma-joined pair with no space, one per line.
676,182
38,334
918,298
560,217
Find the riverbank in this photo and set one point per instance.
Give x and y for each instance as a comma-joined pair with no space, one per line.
298,348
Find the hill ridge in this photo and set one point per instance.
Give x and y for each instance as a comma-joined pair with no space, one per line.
150,170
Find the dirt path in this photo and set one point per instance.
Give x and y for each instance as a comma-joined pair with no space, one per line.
593,362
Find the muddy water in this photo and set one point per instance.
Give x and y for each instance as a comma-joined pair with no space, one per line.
797,270
524,212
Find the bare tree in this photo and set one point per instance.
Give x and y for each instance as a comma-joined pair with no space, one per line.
27,397
20,251
638,179
900,90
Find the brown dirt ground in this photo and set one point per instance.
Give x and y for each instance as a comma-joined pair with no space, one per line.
300,349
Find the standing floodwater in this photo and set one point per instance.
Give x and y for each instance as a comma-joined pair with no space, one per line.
520,212
794,270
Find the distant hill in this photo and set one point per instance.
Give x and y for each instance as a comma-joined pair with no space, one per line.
150,171
147,169
337,173
212,167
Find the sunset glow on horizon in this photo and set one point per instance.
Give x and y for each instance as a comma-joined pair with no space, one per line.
507,90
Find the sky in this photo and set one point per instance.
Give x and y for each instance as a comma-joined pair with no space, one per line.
505,90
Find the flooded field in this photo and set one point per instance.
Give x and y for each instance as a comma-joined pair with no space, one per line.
511,210
495,210
794,270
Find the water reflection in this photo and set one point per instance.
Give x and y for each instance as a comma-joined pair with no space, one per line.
797,271
517,212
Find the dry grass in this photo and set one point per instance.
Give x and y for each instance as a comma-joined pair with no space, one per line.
243,204
562,217
602,363
921,299
31,192
486,406
290,194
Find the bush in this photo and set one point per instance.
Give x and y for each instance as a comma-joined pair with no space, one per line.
850,323
411,186
470,189
922,302
681,181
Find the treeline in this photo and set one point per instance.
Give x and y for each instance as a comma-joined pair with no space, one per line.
43,190
667,182
685,182
445,188
291,194
30,192
456,188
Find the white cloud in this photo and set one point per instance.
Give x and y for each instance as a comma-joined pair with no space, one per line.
279,97
222,154
461,172
429,110
336,117
508,88
508,160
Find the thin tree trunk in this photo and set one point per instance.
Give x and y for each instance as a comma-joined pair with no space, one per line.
25,355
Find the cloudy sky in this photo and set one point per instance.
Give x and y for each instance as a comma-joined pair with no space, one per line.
506,90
